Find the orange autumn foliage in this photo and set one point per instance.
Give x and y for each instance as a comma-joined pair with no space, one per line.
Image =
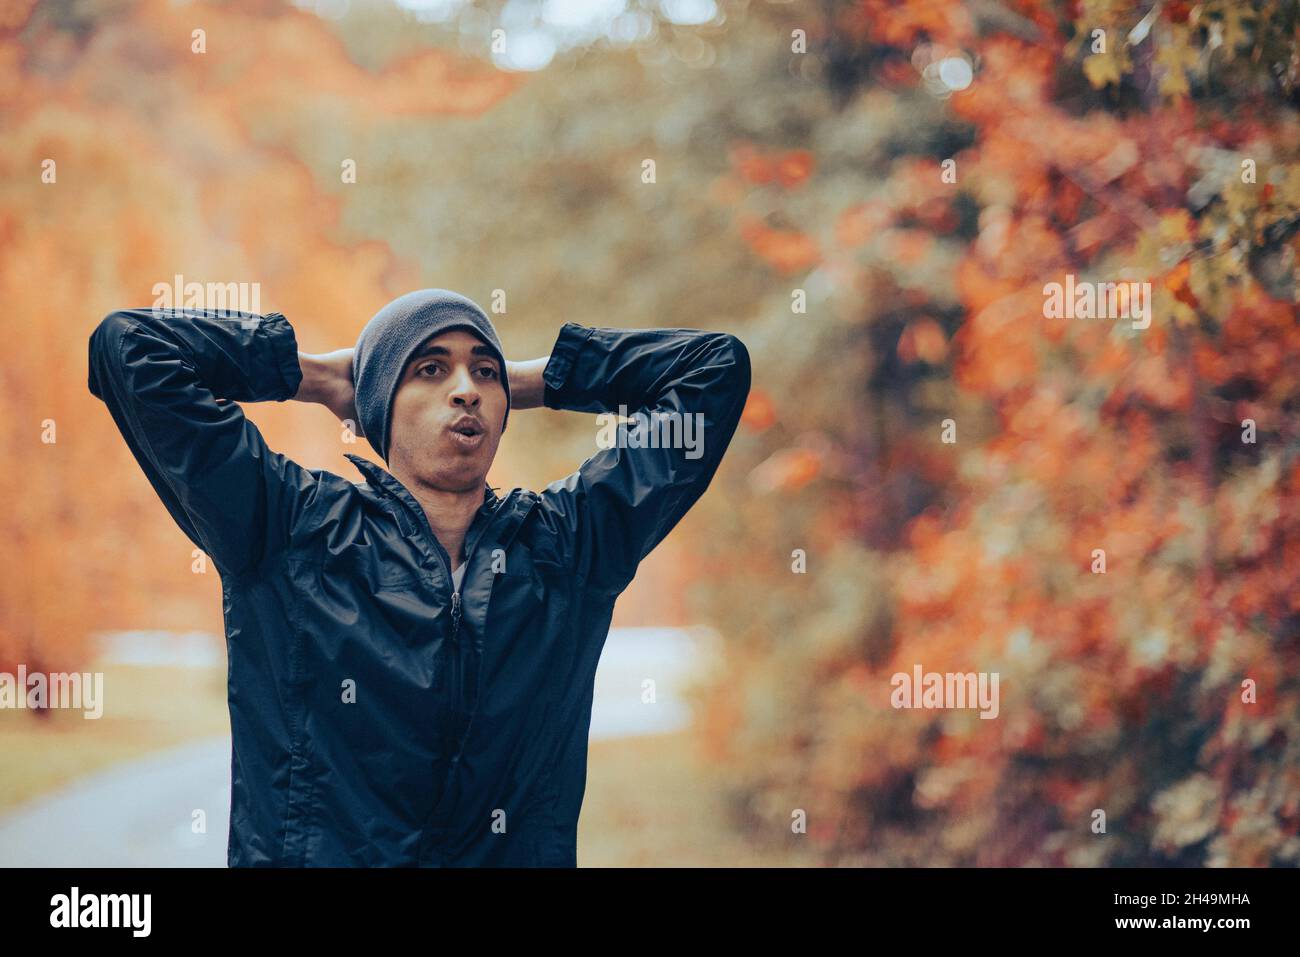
1117,530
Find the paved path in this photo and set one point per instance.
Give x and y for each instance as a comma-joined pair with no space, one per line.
136,814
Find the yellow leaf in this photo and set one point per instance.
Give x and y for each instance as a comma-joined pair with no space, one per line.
1234,33
1176,56
1102,69
1174,83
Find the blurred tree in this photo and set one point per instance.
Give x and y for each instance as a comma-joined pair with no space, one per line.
1113,142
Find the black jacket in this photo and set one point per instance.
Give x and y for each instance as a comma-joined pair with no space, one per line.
378,717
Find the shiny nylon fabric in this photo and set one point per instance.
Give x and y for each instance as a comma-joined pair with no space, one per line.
377,719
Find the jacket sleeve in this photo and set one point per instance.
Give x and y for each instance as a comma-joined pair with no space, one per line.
690,387
160,373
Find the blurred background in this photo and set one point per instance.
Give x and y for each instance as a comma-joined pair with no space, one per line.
872,195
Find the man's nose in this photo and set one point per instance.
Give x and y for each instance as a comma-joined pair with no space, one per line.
464,391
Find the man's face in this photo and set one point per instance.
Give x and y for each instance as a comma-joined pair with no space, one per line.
451,385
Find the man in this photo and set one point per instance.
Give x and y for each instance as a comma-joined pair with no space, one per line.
412,657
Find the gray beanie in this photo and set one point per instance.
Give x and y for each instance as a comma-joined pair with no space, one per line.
395,332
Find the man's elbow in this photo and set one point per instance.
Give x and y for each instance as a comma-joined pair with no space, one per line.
108,333
737,363
105,345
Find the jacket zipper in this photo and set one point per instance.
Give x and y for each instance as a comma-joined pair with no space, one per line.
445,559
446,565
460,655
422,523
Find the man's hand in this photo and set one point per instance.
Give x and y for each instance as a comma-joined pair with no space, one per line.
327,380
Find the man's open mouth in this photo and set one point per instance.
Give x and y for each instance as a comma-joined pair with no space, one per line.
467,432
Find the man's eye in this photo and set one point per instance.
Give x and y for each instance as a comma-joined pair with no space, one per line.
491,372
432,366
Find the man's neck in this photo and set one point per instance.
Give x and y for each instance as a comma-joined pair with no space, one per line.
450,514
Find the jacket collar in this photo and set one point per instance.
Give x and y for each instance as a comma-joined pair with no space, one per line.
513,509
383,480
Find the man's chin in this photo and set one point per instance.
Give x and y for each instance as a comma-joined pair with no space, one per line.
466,476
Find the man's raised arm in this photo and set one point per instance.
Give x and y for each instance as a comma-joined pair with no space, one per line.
161,373
689,388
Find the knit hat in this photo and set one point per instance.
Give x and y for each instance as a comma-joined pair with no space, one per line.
393,334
